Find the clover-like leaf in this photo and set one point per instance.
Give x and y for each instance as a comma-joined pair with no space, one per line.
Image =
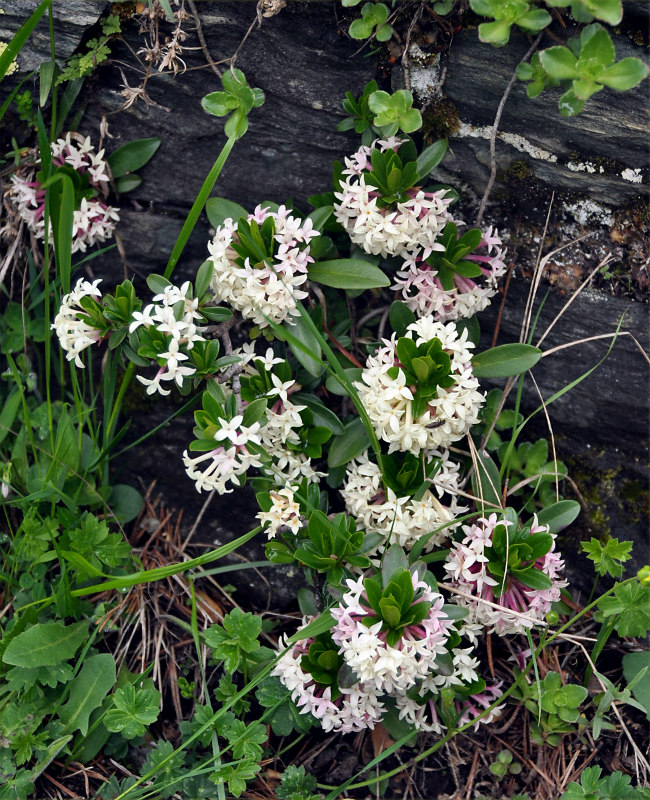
395,112
236,99
373,21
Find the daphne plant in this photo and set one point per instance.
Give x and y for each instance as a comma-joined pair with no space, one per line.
74,159
380,204
458,278
512,567
414,411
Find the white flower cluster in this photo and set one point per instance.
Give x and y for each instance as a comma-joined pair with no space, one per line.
229,460
374,661
284,512
403,520
467,565
423,293
71,325
173,314
288,466
264,290
358,707
448,416
94,220
424,715
401,231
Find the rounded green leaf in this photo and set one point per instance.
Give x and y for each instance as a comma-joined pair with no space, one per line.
505,360
410,121
624,75
495,33
559,63
347,273
219,209
361,29
219,103
534,20
570,104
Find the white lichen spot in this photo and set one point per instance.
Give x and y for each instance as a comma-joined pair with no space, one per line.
513,139
587,211
586,166
317,105
632,175
425,72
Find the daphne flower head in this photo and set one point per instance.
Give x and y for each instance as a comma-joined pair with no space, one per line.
260,263
457,281
400,518
384,216
420,391
72,323
93,219
507,576
391,635
310,670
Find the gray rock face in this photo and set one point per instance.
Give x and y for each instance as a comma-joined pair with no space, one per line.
72,19
586,154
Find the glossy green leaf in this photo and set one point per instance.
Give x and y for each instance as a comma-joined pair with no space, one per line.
347,273
429,158
559,515
344,448
127,183
219,209
305,346
320,216
505,360
486,482
131,156
334,385
322,414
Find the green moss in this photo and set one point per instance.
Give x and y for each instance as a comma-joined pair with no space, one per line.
440,121
517,171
